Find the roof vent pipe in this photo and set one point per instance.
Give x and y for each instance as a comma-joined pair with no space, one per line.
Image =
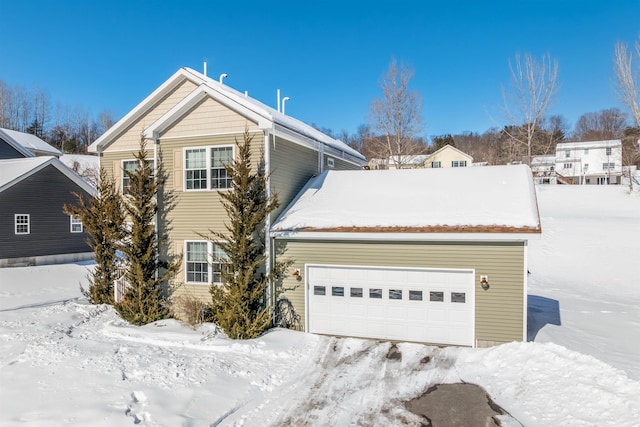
278,104
246,93
222,77
205,69
285,99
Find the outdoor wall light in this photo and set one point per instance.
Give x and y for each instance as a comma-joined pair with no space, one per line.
296,274
484,282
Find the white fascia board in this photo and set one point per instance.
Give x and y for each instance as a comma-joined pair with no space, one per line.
408,237
149,102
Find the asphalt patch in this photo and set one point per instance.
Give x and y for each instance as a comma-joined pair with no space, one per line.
458,405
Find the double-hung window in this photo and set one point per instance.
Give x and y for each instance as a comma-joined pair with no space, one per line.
205,168
436,164
204,262
22,223
608,151
76,224
458,163
131,166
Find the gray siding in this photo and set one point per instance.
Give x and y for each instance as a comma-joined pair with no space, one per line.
8,152
499,311
42,196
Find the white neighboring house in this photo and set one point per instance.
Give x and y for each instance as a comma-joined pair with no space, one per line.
543,168
592,162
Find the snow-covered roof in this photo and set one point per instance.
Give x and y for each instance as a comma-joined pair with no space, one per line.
269,116
541,160
489,199
413,160
28,144
13,171
581,145
84,161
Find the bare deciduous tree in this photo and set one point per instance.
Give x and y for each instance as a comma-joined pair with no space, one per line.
605,124
531,91
396,116
628,76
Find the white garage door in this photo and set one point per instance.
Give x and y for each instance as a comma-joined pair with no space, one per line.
423,305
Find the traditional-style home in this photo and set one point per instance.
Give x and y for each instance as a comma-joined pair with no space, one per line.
33,227
448,157
15,145
590,162
192,121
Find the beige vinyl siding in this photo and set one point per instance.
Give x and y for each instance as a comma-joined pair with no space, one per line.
209,118
197,211
446,156
112,162
499,311
129,139
292,165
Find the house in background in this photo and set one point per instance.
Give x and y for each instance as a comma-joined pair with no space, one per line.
407,161
193,121
448,157
543,169
15,145
591,162
443,260
33,227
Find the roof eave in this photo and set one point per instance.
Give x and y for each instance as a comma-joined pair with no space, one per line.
409,236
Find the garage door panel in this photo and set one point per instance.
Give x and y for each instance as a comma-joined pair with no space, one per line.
391,303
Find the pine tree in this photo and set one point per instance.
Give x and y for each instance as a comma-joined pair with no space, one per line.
102,217
145,300
239,305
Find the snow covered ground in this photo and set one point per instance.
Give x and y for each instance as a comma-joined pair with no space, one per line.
64,362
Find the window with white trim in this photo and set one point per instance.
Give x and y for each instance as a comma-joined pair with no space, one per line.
436,164
205,167
568,165
22,223
131,166
330,162
76,224
567,154
458,163
608,166
608,151
204,262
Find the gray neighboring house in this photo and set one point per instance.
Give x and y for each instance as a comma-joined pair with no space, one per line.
16,145
34,229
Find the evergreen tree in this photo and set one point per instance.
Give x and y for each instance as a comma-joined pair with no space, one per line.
102,217
239,305
144,300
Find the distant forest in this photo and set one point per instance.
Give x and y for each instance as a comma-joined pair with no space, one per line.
73,129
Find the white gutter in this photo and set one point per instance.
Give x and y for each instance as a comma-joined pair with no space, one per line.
408,237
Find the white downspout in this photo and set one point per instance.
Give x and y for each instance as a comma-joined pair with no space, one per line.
156,141
267,225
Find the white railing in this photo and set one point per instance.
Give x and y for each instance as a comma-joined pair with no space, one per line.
121,285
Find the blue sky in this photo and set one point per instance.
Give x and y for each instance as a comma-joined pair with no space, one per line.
327,56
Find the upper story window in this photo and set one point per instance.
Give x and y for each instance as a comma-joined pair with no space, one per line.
205,168
330,162
586,167
458,163
436,164
608,151
567,154
76,224
131,166
22,223
586,151
607,166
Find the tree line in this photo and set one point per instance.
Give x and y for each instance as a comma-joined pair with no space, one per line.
70,130
394,122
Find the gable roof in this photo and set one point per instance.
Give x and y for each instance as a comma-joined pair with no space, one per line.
265,116
409,160
12,171
581,145
449,147
27,144
492,199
